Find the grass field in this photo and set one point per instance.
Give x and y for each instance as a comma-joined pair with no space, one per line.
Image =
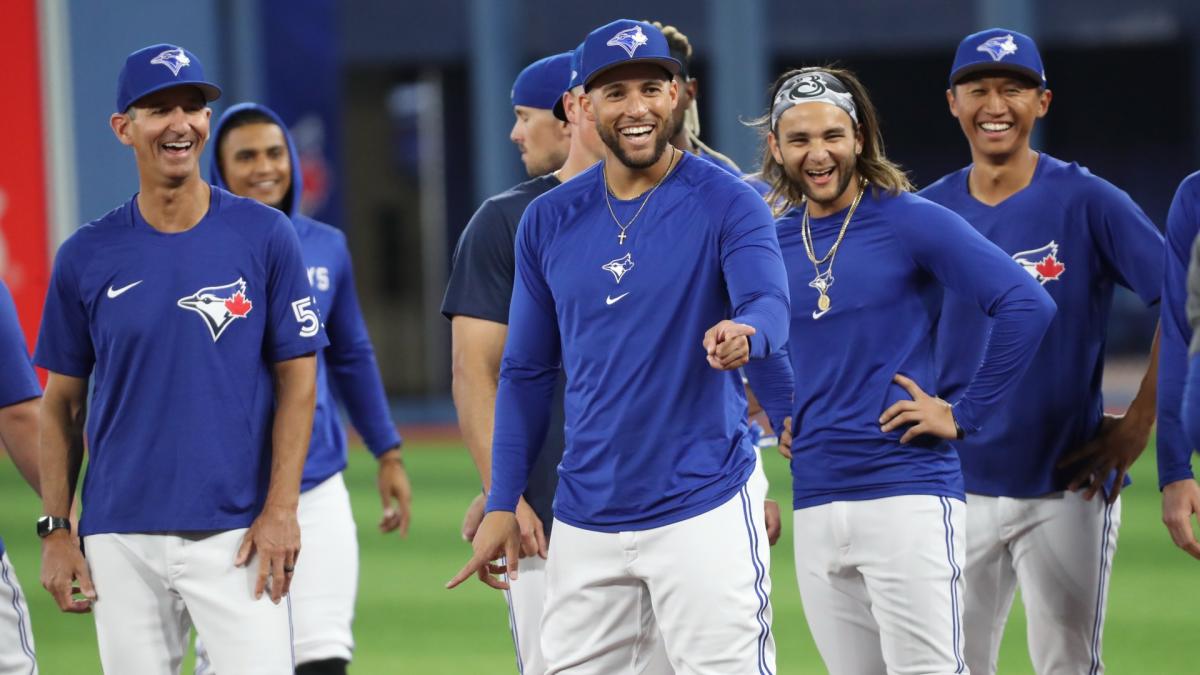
407,623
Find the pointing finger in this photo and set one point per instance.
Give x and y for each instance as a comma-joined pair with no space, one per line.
476,561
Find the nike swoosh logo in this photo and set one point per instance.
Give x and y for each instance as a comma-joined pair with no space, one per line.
112,293
610,299
817,315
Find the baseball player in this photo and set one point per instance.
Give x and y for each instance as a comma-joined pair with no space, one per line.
190,309
1180,492
877,487
20,395
542,138
1030,523
650,278
255,157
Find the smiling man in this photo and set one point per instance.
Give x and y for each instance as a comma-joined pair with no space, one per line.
1031,473
650,277
190,310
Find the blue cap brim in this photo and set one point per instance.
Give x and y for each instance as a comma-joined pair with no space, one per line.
210,91
994,67
670,64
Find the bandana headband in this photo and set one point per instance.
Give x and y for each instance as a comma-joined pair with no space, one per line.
816,86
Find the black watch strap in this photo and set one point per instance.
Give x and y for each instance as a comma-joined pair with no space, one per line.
48,524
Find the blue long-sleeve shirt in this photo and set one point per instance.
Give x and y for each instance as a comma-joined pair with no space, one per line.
1183,223
898,255
1079,236
654,435
346,369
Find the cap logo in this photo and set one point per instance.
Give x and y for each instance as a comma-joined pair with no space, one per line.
629,40
174,59
998,47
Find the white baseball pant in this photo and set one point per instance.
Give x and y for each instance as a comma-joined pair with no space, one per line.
881,583
704,581
16,637
151,588
325,584
1059,550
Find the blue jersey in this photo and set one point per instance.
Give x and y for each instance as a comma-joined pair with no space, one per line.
654,435
18,382
1078,236
888,279
1183,223
347,366
481,285
179,332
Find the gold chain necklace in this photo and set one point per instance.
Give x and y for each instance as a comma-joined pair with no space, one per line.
608,202
824,280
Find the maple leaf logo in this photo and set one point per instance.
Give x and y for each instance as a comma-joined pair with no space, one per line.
1041,263
1049,268
238,305
218,306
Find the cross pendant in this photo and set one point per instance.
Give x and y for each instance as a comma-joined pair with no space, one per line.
621,238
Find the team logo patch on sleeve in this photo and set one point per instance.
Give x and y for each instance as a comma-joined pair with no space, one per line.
174,59
998,47
219,306
1042,263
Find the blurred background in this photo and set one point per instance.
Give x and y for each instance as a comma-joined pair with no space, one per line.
401,111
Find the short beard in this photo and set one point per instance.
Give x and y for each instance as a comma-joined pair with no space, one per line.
552,162
613,142
845,175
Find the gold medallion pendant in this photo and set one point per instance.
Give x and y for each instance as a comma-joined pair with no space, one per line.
823,302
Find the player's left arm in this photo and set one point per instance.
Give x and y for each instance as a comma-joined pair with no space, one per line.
350,358
20,395
19,434
756,281
961,259
1132,250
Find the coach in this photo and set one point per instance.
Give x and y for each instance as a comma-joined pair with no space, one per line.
190,309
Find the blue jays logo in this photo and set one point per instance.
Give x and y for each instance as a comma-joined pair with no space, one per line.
219,305
998,47
174,59
1041,263
619,267
629,40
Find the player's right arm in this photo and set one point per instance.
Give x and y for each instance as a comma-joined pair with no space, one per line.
1181,494
1181,498
532,358
64,570
477,303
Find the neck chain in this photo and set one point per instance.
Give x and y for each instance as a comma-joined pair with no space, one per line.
608,202
824,280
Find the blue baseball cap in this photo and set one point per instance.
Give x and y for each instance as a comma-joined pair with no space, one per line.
998,49
624,41
575,81
542,82
159,67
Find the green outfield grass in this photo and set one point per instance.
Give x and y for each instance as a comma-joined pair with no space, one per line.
407,623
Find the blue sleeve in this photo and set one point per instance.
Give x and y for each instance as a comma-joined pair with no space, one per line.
293,318
65,341
963,260
1191,403
528,371
350,358
754,273
19,382
1173,447
773,381
481,275
1129,243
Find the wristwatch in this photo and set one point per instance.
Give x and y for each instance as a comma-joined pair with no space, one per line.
48,524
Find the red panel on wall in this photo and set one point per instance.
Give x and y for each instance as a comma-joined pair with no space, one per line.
24,254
